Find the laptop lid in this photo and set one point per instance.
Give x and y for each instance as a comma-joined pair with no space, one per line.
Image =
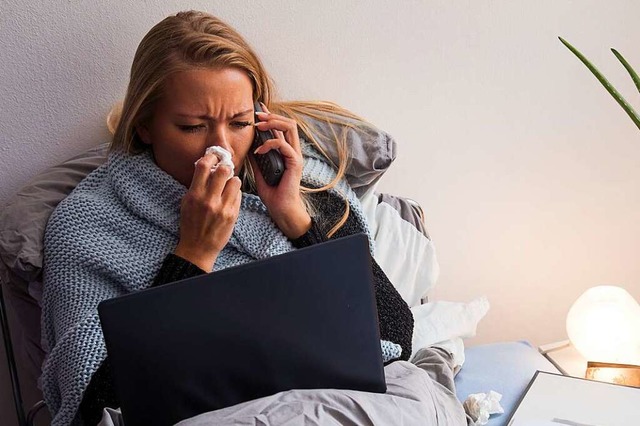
302,320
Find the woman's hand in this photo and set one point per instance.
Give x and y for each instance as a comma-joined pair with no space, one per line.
208,213
283,201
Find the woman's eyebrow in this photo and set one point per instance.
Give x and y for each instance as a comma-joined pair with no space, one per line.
242,113
208,117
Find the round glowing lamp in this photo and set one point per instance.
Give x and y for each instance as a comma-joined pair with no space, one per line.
604,326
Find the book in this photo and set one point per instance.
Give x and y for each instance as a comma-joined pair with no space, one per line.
556,400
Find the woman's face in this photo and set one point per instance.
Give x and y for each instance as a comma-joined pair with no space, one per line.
200,108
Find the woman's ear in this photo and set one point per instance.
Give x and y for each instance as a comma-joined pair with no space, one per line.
143,134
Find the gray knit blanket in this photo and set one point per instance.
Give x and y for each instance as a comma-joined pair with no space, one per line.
110,236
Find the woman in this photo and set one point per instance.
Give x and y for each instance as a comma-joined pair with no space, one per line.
157,213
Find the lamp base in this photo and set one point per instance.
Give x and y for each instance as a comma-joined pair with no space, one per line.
620,374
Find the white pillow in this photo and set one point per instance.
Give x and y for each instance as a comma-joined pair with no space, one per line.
406,256
445,324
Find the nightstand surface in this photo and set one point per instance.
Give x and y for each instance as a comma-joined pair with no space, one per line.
565,357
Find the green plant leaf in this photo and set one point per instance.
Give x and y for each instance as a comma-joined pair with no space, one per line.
629,68
617,96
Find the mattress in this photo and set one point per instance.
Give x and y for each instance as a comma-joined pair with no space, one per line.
505,368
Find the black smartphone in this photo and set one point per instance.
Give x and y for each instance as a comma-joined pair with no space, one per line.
271,164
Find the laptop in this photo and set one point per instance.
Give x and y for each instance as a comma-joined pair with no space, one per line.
306,319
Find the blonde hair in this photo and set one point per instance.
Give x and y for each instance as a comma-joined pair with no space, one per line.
195,39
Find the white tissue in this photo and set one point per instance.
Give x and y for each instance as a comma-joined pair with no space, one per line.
479,406
224,158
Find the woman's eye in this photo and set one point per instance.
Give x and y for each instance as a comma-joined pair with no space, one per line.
191,128
241,124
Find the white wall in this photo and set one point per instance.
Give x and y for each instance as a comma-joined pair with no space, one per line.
526,167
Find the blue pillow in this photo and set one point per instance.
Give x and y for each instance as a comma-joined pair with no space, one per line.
505,368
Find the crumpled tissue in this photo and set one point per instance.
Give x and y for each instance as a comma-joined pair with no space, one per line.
224,158
479,406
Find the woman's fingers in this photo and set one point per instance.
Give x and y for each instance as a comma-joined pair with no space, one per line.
207,181
217,180
231,196
282,127
202,172
277,122
207,217
285,149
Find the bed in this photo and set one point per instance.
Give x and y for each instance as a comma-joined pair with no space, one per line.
396,221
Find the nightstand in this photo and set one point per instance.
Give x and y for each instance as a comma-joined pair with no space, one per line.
565,357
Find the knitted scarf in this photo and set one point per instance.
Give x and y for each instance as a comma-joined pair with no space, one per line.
110,236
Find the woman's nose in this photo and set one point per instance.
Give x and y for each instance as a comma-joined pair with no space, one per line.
219,137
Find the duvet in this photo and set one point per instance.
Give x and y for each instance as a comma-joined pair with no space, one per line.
420,392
